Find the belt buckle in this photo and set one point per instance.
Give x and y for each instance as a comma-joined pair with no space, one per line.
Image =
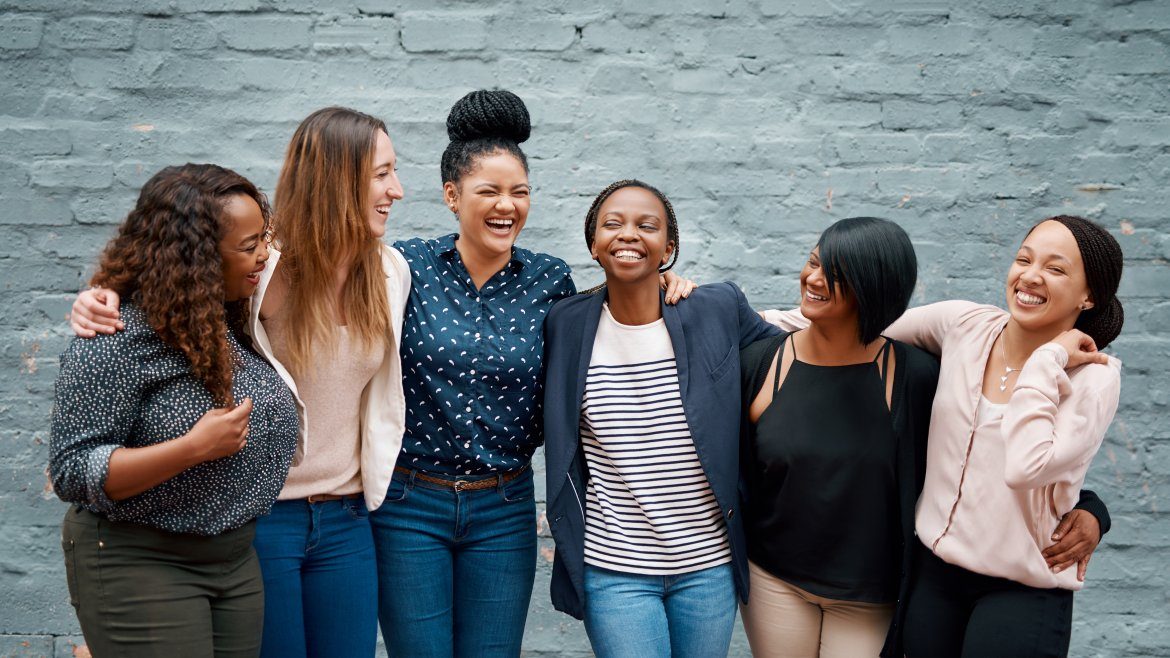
459,484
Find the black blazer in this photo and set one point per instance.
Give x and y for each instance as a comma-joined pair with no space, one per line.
707,331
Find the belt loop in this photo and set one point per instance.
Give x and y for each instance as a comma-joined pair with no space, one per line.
410,481
500,481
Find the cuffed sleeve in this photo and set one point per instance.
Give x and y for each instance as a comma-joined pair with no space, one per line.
95,407
1052,428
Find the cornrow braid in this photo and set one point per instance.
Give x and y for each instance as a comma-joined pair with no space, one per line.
480,123
671,219
1102,259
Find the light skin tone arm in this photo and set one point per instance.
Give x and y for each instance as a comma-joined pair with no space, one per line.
219,433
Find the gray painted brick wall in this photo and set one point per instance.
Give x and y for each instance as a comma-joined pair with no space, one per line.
764,120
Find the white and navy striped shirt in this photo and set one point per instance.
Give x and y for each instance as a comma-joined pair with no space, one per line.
649,508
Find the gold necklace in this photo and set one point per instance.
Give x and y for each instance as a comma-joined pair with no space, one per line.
1007,370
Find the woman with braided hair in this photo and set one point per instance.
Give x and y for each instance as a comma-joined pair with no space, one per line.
456,537
1023,403
641,420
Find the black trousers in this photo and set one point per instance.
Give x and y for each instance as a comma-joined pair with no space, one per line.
144,592
956,612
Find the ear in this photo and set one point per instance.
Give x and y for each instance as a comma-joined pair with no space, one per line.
593,250
668,253
451,196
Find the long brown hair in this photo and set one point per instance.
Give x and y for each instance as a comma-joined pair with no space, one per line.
322,203
165,258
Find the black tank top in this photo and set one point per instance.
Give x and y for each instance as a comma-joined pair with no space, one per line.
823,499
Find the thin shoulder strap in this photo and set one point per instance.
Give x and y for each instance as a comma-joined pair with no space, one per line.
884,355
780,361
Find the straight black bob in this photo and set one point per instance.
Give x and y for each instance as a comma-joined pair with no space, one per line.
873,260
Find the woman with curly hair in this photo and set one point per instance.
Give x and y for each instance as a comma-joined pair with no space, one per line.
326,315
171,436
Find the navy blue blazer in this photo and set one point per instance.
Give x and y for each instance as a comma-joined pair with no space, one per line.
707,330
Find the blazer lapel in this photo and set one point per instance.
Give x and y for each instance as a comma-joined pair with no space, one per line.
674,327
591,317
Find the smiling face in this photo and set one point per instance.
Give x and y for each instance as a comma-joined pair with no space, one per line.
491,202
631,239
1046,285
244,248
817,302
384,186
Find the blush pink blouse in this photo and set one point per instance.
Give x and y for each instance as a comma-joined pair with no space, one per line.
997,485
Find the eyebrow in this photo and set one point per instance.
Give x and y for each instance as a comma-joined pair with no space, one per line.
254,236
645,215
1060,257
388,163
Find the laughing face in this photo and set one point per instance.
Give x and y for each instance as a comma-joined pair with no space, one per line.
817,302
1046,285
384,186
244,248
631,239
491,202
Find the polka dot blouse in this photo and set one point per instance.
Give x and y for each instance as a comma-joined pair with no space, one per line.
471,359
130,390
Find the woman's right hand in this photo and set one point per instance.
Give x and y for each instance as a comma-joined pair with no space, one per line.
220,432
95,311
1080,348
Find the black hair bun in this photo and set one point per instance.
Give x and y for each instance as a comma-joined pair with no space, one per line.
488,113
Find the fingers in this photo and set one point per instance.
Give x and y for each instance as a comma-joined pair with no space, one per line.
1083,567
688,287
1067,556
1061,528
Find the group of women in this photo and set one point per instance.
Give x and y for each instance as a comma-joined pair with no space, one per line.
273,452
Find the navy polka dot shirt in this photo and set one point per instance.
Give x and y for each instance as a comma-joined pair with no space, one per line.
472,359
131,389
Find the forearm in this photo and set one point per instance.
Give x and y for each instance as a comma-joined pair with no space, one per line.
135,470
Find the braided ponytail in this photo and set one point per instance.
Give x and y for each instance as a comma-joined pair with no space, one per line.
1102,258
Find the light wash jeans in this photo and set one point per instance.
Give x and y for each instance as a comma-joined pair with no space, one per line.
690,615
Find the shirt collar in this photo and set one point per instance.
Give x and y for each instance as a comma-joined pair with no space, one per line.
446,248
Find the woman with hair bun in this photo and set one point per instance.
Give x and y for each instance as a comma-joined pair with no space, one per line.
171,436
456,536
1023,403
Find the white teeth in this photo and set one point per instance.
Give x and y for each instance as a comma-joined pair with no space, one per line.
1029,299
382,209
815,298
627,254
500,223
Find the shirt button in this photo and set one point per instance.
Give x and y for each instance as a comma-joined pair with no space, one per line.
477,300
730,514
477,334
468,409
471,372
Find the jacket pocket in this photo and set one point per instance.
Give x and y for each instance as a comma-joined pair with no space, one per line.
724,365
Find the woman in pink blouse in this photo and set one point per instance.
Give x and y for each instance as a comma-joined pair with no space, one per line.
1023,402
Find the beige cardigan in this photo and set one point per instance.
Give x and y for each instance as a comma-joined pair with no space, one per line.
991,500
383,405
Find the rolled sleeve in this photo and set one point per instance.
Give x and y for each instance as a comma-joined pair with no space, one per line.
95,408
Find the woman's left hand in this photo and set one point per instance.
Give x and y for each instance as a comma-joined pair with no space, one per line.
1076,538
1080,347
675,286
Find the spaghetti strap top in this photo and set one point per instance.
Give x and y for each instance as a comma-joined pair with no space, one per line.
823,499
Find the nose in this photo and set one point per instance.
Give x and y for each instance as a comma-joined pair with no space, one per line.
627,233
263,255
395,191
1031,275
504,203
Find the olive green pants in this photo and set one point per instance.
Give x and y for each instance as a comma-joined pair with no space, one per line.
140,591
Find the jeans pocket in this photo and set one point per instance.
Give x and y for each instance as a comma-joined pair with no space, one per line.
397,492
68,547
519,490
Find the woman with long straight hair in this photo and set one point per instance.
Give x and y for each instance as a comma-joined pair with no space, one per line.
171,436
327,315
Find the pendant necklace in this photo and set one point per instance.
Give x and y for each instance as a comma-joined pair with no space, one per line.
1007,370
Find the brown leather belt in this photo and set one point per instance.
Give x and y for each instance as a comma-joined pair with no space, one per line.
465,485
324,498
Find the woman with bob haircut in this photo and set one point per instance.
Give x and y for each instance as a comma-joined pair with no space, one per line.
1023,403
171,436
836,423
327,315
641,422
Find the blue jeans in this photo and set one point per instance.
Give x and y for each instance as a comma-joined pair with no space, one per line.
631,615
455,569
320,579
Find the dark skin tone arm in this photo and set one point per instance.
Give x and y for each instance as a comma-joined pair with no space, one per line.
219,433
1076,538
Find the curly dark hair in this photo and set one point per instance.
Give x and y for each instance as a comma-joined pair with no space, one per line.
671,220
165,258
483,122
